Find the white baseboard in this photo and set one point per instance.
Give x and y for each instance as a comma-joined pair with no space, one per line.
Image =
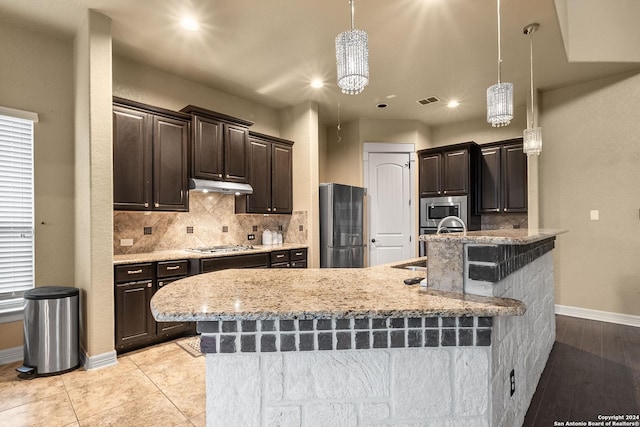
98,361
11,355
602,316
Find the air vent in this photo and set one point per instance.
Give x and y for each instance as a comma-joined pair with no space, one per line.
428,100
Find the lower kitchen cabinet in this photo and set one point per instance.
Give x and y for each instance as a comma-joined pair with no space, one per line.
135,285
291,258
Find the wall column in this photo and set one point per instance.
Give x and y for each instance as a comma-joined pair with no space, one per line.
94,188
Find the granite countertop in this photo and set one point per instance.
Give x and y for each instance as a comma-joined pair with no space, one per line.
255,294
520,236
171,255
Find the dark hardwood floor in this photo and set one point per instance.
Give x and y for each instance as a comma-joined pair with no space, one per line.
593,369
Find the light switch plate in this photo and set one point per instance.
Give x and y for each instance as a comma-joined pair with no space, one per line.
126,242
595,215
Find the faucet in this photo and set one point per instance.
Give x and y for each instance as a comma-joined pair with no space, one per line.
454,218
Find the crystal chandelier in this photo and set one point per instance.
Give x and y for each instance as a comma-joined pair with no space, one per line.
500,95
532,136
352,58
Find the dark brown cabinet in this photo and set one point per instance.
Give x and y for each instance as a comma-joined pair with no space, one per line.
135,285
446,171
289,258
150,157
220,145
271,176
134,323
502,181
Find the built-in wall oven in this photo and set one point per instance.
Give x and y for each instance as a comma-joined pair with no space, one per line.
435,209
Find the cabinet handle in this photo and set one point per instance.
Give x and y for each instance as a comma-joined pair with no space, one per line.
274,209
445,191
146,205
219,175
173,267
157,205
268,209
160,284
298,253
228,175
134,271
504,210
279,256
148,285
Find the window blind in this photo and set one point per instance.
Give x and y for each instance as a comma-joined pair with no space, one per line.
16,210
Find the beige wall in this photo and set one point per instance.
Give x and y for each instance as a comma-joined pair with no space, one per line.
138,82
94,184
479,130
591,160
37,75
300,124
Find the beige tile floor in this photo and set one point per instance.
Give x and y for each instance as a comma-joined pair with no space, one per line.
161,385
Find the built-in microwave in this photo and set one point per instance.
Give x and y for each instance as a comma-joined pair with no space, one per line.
434,209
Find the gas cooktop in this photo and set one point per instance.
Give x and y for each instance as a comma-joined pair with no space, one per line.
221,248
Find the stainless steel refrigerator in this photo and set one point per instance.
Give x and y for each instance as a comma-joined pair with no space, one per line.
342,240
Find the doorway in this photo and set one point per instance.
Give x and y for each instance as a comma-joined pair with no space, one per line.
389,176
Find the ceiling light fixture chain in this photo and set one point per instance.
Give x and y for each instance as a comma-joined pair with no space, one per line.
500,95
352,58
532,135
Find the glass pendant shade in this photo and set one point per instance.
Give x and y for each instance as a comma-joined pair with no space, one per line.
532,141
500,104
352,58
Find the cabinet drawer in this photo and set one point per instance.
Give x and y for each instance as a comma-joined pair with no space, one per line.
234,261
173,268
299,254
278,257
134,272
298,264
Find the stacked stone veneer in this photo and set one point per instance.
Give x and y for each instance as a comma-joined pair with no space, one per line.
522,343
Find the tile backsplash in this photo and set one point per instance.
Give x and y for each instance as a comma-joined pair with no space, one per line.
210,221
501,221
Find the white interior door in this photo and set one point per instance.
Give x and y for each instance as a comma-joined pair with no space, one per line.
389,190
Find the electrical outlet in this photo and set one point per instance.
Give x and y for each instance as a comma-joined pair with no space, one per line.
126,242
251,237
512,380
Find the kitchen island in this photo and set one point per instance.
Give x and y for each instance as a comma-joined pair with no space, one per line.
359,347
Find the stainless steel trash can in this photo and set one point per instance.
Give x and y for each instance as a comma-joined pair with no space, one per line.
50,330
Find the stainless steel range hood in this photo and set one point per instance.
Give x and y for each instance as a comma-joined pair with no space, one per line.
205,186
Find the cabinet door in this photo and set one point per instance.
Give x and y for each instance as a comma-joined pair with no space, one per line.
490,181
260,172
132,169
281,179
430,175
170,139
207,160
455,173
514,167
134,321
236,159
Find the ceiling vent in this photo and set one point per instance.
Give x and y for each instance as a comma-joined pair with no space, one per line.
428,100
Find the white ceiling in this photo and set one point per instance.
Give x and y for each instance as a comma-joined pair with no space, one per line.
269,50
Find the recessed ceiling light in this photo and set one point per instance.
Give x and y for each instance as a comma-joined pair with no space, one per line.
190,24
382,105
317,83
453,103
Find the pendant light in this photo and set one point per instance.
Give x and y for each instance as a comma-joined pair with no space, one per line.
532,136
500,95
352,58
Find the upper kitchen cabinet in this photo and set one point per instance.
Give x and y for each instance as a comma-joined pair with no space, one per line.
502,183
220,147
446,171
271,176
150,157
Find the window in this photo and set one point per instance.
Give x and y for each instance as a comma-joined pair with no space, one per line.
16,207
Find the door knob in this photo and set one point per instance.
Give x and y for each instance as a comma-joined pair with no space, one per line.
373,240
